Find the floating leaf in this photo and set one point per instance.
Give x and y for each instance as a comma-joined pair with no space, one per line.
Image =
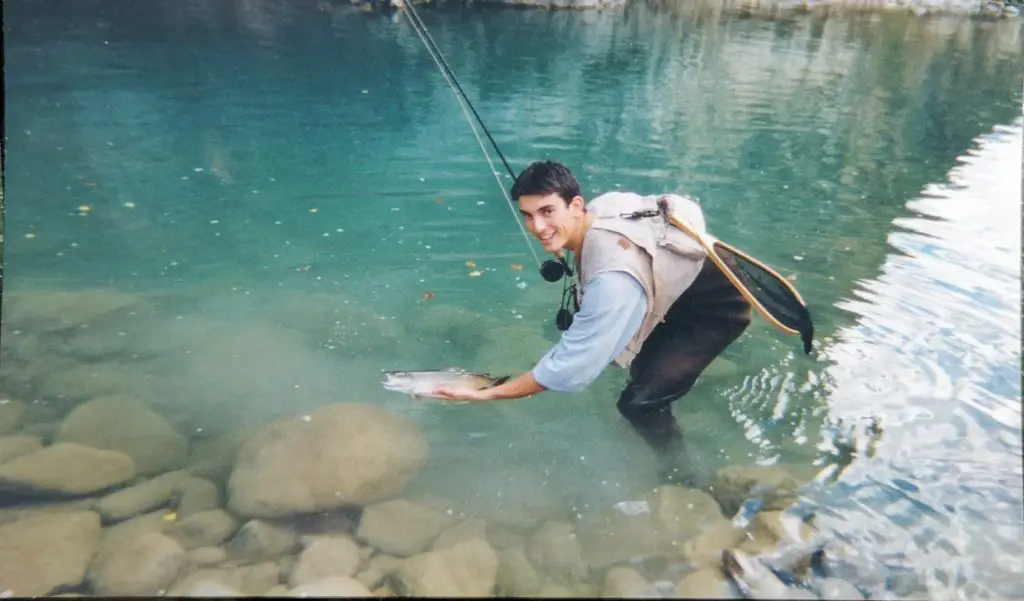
475,274
516,266
428,295
470,263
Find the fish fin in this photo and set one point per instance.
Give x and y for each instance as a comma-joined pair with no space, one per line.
500,380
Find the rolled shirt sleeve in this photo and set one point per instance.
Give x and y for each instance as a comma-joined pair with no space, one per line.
613,310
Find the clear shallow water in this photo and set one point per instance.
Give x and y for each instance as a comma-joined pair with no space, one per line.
286,181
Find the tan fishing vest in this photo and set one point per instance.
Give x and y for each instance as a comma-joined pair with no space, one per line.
664,260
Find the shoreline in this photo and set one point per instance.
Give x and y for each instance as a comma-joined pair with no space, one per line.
989,9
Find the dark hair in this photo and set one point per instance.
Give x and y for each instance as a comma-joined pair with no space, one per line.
546,177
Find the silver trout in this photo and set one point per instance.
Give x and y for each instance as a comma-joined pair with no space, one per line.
422,383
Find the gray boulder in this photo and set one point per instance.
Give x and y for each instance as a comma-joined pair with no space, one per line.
143,566
66,469
44,553
338,455
125,424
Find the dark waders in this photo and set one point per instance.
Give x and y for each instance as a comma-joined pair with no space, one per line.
706,319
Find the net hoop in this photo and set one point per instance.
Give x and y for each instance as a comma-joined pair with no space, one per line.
709,249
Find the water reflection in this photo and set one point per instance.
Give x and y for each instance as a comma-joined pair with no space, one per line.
933,337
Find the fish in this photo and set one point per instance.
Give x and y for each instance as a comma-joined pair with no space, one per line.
422,383
755,580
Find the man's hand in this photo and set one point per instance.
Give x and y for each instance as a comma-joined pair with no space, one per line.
460,393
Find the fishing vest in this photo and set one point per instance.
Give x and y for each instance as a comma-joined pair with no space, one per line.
661,257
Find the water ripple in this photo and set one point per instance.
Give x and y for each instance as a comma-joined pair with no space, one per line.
950,332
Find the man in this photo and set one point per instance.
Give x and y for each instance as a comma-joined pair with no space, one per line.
650,302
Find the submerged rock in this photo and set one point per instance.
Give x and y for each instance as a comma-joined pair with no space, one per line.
469,569
140,498
465,530
12,447
658,523
342,454
705,549
45,553
705,583
66,469
773,485
204,529
195,495
125,424
124,532
516,575
206,556
214,458
258,578
249,580
332,586
325,557
752,577
206,588
400,527
143,566
621,582
555,549
782,541
259,539
27,510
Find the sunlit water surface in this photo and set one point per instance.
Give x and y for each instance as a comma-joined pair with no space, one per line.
296,191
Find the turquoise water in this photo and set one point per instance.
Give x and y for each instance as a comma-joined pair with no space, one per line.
285,182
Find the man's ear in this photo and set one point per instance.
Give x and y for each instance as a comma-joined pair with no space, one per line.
578,203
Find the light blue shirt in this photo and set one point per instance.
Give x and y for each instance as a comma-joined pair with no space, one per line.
613,308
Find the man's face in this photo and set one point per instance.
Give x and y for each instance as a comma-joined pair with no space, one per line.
550,220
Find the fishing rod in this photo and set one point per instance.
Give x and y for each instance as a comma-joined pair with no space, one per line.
453,82
443,64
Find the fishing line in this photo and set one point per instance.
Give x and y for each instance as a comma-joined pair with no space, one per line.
460,96
446,69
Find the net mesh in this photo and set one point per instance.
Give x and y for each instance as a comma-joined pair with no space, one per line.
767,291
777,297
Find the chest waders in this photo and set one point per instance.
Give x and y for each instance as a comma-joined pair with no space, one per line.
712,313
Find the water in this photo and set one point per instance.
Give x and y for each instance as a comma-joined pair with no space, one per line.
284,183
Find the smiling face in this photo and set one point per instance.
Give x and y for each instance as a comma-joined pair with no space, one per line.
557,225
